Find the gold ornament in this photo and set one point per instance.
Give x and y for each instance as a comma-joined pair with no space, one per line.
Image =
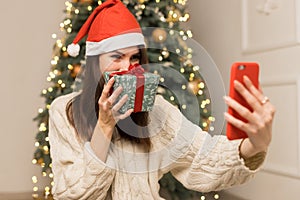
65,54
141,1
159,35
40,161
86,1
75,70
194,85
173,15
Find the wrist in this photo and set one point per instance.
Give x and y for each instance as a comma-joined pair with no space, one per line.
247,149
106,131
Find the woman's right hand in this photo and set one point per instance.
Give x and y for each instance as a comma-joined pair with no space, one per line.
108,109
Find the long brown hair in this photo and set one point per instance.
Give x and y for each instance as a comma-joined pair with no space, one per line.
82,111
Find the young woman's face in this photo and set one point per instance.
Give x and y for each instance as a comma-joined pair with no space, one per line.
120,59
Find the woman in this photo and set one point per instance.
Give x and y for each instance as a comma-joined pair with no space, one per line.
98,153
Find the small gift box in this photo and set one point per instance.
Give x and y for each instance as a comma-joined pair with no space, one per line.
140,87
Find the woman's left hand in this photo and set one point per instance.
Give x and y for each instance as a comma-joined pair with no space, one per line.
259,125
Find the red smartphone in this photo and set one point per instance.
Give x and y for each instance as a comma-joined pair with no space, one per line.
238,70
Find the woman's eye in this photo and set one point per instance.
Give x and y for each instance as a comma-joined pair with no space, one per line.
116,56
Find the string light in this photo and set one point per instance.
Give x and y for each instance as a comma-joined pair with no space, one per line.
50,89
35,188
59,43
211,118
69,30
67,22
189,33
201,85
216,196
52,74
45,148
196,68
69,6
36,144
162,18
34,179
42,127
53,62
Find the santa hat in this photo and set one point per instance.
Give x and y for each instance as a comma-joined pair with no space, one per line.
111,26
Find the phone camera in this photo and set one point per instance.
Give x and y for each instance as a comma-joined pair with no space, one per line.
241,67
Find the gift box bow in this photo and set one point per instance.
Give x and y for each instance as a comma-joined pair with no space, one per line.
135,69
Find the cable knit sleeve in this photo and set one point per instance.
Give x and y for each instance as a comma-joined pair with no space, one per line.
201,162
78,173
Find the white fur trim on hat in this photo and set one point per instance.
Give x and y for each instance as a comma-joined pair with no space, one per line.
73,49
114,43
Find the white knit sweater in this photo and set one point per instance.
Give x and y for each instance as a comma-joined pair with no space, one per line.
200,162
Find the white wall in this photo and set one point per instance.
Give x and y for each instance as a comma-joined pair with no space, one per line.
26,48
217,25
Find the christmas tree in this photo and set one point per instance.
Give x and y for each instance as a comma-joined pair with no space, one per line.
180,82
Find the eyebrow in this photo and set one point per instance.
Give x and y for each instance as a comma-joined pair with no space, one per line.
119,52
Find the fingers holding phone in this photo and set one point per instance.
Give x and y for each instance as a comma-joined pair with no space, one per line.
250,114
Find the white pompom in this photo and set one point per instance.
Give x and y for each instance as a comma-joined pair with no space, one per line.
73,49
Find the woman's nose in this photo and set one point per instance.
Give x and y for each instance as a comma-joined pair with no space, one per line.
125,64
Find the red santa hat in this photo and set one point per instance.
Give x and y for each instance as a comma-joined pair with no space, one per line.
111,26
